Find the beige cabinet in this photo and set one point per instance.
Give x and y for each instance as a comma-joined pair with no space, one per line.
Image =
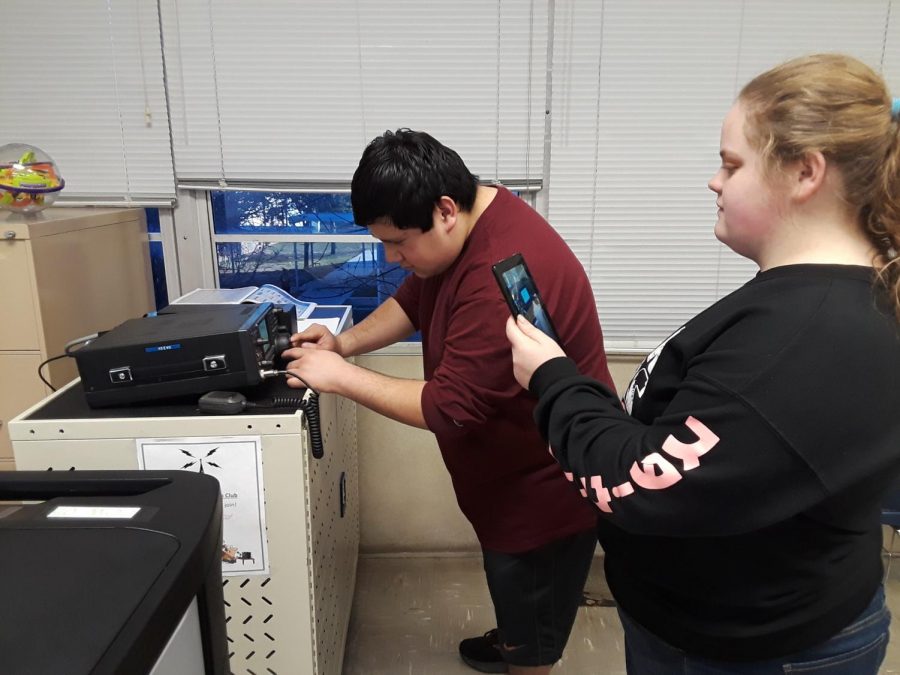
64,274
293,619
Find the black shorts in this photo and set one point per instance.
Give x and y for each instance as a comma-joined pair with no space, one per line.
536,595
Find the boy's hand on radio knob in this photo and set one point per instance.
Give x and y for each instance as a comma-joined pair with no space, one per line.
531,348
322,369
316,337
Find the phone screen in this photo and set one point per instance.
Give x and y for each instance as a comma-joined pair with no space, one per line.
522,295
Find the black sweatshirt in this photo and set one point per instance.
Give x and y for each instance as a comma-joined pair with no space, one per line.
741,495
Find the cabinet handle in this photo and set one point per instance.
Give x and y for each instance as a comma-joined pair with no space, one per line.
9,234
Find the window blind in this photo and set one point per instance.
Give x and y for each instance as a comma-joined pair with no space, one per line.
640,88
83,81
291,92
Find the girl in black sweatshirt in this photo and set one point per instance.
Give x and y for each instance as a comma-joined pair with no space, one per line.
741,478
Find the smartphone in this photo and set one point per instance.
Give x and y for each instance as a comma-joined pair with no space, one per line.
521,293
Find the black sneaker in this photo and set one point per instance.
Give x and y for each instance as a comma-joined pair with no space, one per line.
483,653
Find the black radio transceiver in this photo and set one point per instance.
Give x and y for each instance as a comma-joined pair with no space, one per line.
185,349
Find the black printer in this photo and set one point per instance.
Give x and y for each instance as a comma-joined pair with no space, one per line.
115,572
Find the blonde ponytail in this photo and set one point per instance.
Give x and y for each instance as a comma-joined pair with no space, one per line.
883,221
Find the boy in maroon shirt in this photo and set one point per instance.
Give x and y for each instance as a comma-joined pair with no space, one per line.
536,532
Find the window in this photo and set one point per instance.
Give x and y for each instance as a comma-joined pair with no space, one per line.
291,92
305,243
270,143
157,259
96,101
637,112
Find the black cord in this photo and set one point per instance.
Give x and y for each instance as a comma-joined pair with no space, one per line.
310,410
44,363
311,414
229,403
83,341
310,407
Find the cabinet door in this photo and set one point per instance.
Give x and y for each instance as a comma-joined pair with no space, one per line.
18,314
20,388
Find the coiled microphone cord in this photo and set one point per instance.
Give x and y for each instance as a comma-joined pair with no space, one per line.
310,406
228,402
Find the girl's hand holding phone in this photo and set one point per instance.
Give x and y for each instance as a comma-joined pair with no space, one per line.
530,348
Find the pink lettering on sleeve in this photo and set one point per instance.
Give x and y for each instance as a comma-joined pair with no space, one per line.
583,488
623,490
646,476
653,472
603,496
690,453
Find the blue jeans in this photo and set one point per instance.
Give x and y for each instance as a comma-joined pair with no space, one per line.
857,650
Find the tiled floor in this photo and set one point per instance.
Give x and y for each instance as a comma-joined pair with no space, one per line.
410,613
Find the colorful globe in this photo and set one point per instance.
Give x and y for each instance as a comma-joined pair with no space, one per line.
29,179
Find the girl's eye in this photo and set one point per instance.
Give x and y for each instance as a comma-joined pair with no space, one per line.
729,168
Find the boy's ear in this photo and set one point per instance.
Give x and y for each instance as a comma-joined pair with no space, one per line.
808,175
447,210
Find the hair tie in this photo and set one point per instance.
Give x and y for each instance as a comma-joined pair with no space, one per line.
895,109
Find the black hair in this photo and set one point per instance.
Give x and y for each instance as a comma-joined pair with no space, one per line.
401,176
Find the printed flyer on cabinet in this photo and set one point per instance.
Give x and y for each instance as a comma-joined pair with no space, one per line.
236,462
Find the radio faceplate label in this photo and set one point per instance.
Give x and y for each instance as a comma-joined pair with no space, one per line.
163,348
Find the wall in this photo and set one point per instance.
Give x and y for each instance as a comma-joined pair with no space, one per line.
406,499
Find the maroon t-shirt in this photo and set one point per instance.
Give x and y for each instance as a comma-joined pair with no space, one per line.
507,483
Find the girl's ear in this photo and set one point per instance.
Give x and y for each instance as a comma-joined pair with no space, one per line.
807,175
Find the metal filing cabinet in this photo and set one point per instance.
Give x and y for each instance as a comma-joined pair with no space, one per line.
65,273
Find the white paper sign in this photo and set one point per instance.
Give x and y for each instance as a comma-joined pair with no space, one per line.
331,323
236,462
